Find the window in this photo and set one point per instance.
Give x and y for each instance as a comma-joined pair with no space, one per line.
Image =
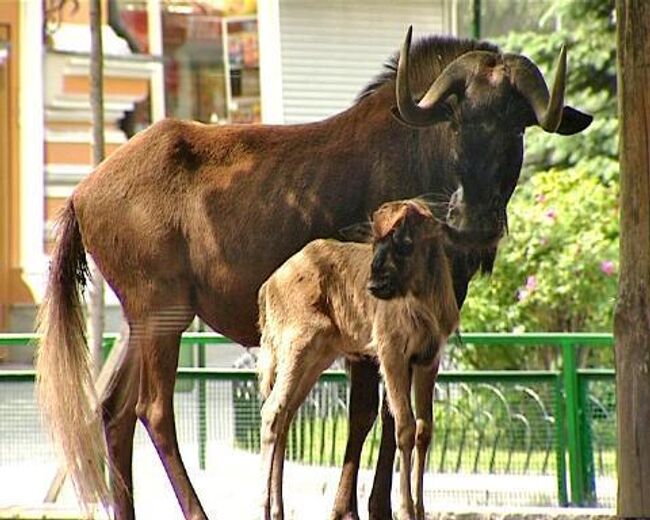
210,53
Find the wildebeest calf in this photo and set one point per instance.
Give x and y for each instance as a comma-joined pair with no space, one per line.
317,306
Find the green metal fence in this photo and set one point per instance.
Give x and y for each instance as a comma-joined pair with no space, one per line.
546,437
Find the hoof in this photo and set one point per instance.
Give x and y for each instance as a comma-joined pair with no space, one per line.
350,515
407,515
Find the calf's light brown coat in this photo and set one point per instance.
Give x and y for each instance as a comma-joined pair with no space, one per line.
317,307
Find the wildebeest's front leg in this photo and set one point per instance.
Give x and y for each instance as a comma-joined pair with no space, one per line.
424,380
397,379
364,401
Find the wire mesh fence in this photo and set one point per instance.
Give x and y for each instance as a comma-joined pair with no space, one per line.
22,436
598,405
485,424
500,438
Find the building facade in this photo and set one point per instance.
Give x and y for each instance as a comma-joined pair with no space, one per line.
217,61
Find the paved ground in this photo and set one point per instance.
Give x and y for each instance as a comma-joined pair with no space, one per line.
234,491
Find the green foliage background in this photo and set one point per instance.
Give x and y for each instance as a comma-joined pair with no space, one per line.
557,269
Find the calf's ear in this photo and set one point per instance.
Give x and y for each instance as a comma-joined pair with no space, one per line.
359,232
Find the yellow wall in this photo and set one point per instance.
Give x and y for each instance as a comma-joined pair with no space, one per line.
12,289
4,177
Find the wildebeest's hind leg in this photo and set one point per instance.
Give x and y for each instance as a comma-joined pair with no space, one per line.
118,415
364,401
157,337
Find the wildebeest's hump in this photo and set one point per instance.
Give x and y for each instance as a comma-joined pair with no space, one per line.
191,146
171,142
429,56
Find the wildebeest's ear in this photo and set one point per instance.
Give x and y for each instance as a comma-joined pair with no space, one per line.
359,232
573,121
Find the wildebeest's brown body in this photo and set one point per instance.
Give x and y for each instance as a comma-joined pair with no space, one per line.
218,208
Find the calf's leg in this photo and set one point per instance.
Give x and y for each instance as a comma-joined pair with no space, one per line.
397,379
364,401
298,372
268,437
424,379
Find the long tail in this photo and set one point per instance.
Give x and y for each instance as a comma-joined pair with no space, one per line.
64,377
267,359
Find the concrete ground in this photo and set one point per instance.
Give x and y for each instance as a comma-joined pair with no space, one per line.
233,492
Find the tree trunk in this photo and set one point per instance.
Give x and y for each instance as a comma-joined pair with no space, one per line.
632,317
96,286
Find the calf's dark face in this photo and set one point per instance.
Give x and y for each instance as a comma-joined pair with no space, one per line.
393,261
388,258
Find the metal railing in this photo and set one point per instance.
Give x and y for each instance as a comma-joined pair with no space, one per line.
558,424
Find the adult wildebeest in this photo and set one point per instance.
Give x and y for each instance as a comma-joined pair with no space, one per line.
318,306
188,219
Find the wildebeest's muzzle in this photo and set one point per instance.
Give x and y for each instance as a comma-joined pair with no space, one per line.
475,226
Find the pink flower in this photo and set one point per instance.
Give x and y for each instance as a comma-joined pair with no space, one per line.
531,283
540,198
551,214
607,267
525,291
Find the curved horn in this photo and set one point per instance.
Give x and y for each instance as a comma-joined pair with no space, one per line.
423,113
529,82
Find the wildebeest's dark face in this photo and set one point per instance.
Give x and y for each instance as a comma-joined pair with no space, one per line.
485,162
487,99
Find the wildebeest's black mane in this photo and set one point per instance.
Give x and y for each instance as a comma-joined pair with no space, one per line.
428,57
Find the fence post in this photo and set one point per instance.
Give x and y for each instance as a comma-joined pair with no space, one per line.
203,420
560,444
570,377
581,459
586,441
